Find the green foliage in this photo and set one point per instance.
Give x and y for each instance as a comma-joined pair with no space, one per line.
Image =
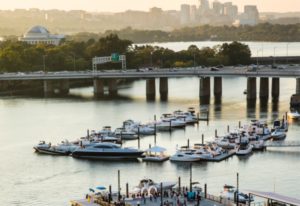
73,55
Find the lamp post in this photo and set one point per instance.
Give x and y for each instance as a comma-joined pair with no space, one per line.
257,56
287,53
151,60
44,63
274,61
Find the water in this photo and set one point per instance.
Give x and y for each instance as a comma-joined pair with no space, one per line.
31,179
261,49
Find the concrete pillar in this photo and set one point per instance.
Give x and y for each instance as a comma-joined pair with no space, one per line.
112,87
150,89
275,88
264,88
218,86
251,88
163,88
48,87
64,86
204,87
98,87
298,86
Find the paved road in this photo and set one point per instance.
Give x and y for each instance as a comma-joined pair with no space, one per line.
289,72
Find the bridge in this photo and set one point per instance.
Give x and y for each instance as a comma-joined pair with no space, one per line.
60,80
283,144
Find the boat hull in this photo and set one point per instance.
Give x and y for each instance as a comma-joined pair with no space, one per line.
51,151
107,155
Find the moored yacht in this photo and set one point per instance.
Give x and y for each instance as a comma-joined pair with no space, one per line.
136,127
173,121
293,114
185,154
65,148
229,193
125,134
244,149
107,150
187,117
148,186
278,134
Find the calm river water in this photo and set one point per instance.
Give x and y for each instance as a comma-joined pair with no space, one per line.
30,179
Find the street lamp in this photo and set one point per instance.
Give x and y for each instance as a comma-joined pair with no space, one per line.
287,53
44,63
257,56
151,60
274,61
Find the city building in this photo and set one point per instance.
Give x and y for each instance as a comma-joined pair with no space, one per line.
218,8
185,14
250,15
193,13
41,35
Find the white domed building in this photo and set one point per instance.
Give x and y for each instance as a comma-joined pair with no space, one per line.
41,35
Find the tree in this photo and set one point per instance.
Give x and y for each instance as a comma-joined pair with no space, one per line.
235,53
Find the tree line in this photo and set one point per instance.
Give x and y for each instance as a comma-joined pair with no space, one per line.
260,32
16,56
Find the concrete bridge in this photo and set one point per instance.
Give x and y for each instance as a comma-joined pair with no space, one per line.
60,80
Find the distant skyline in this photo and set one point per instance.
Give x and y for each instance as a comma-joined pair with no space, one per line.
123,5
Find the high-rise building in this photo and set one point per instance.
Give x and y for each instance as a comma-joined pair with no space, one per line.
204,7
185,14
193,13
250,15
217,8
230,10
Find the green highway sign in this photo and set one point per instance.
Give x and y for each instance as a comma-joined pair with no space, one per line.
115,57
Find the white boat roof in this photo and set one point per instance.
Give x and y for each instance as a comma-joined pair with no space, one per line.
156,149
276,197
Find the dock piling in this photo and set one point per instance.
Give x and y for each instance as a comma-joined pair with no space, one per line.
228,128
239,124
119,188
127,190
179,184
216,133
109,195
205,190
202,139
161,194
188,143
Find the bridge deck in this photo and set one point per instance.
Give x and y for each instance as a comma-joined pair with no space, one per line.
289,72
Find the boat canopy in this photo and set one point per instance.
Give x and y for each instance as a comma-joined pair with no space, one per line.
156,149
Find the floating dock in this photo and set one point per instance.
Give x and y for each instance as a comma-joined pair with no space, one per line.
221,157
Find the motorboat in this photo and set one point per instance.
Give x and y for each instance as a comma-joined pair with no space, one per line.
293,114
65,148
226,142
185,155
280,125
278,134
155,154
258,144
106,131
229,193
42,145
187,117
173,121
125,134
148,186
137,128
244,149
106,150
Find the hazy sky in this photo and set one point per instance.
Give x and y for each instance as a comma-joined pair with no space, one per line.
122,5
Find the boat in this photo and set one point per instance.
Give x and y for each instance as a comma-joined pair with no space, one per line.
187,117
226,142
65,148
258,144
42,145
106,131
278,134
125,134
280,125
106,150
148,186
137,128
244,149
293,115
185,155
173,121
229,193
155,154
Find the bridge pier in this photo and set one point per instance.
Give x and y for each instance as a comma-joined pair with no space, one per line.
204,87
112,87
150,89
48,87
275,88
251,88
98,88
218,86
64,86
264,88
163,88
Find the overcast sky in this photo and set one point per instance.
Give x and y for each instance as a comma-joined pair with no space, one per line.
122,5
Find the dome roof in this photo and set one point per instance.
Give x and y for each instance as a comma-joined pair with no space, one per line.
37,31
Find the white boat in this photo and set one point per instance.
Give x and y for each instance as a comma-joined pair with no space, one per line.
106,131
226,142
258,144
148,186
42,145
125,134
136,127
244,149
108,151
278,135
173,121
293,115
185,155
65,148
280,125
187,117
155,154
229,193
